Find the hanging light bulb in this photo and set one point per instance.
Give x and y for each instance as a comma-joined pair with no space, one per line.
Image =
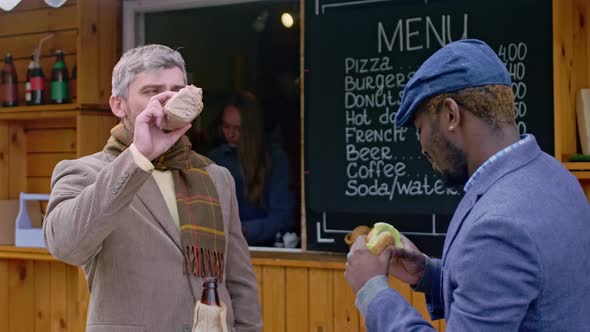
55,3
8,4
287,20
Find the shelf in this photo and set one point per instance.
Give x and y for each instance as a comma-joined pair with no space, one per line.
49,111
581,175
577,166
35,254
309,259
299,259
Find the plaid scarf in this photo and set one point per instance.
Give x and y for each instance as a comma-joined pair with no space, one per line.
199,211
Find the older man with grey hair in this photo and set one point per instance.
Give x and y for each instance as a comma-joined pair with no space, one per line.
147,217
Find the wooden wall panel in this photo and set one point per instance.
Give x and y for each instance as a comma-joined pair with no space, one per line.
4,160
258,272
346,315
39,20
99,46
89,52
43,284
21,295
40,296
586,186
571,70
580,61
109,51
21,46
317,297
73,310
273,294
58,299
38,185
562,54
42,164
53,124
92,133
321,302
17,161
82,295
53,296
4,299
297,299
51,140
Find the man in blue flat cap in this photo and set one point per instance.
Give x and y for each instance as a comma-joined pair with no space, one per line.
515,256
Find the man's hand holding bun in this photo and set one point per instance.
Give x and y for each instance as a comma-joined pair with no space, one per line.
408,263
362,265
384,251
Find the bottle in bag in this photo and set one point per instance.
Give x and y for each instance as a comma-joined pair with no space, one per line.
210,296
9,83
59,80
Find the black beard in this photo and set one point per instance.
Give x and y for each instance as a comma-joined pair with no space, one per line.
457,176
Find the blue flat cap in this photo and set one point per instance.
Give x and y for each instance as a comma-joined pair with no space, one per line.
458,65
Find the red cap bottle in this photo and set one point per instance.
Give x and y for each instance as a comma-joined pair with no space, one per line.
9,83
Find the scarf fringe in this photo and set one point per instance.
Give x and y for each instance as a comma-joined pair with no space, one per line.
203,262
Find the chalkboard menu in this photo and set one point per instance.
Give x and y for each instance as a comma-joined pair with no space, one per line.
358,57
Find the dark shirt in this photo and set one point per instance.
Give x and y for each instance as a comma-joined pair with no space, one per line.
275,214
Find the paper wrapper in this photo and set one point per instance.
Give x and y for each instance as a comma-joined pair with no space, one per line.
183,107
210,318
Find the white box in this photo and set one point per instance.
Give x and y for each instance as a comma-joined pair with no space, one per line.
28,232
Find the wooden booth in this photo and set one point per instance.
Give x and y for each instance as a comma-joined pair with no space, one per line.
299,291
38,293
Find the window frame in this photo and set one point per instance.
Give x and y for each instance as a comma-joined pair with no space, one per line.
134,15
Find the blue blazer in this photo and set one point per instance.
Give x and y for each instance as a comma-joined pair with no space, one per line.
516,255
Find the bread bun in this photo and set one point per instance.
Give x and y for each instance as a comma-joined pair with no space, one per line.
381,236
183,107
358,231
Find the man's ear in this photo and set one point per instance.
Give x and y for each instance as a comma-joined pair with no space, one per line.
117,106
452,114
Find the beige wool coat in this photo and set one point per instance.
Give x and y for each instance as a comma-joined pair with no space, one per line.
108,215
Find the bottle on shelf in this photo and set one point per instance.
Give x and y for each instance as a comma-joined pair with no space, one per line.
35,85
9,82
73,84
210,296
28,94
59,80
